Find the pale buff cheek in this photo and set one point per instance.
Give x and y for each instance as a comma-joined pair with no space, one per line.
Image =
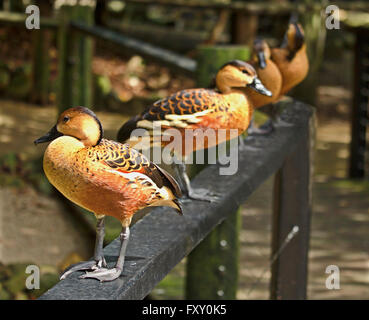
91,130
233,80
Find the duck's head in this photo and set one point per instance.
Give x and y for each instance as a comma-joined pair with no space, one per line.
239,74
80,123
294,38
261,53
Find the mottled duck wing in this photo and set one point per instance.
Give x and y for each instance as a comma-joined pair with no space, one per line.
179,110
122,158
184,102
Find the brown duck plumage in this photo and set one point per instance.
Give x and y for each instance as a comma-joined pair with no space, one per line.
103,176
291,58
225,108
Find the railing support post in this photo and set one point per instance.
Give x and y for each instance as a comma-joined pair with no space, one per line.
360,108
41,40
212,267
16,6
292,207
75,50
244,28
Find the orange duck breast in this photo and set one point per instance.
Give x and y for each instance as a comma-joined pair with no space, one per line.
225,108
291,58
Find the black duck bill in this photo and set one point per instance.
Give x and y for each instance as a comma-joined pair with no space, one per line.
50,136
259,87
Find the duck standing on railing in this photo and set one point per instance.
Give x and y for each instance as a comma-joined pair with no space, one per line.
269,74
228,107
291,57
104,177
280,69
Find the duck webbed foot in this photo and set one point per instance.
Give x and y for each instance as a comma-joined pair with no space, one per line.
200,194
104,274
84,265
189,193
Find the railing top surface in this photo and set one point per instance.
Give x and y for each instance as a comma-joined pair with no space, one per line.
162,238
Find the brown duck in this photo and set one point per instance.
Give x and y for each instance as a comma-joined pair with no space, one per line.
104,177
227,107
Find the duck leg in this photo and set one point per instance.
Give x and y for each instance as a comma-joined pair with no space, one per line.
264,129
241,141
189,192
98,260
105,274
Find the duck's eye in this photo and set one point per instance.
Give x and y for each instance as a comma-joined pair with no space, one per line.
66,119
246,72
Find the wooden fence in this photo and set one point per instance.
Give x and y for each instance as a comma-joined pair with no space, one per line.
162,239
360,103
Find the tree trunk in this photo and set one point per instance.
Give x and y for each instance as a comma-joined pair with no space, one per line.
75,57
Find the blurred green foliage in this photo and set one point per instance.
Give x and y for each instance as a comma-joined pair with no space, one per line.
15,171
13,281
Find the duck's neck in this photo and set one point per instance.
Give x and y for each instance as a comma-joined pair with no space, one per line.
226,90
237,99
235,92
293,53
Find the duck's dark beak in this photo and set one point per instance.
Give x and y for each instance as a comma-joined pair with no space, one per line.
50,136
261,58
259,87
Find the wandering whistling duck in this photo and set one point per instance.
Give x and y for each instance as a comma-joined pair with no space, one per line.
104,177
201,109
291,58
267,72
269,75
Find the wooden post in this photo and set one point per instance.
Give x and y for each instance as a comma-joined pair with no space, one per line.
244,27
218,28
360,107
291,216
212,267
211,58
40,66
100,14
40,58
75,50
16,6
